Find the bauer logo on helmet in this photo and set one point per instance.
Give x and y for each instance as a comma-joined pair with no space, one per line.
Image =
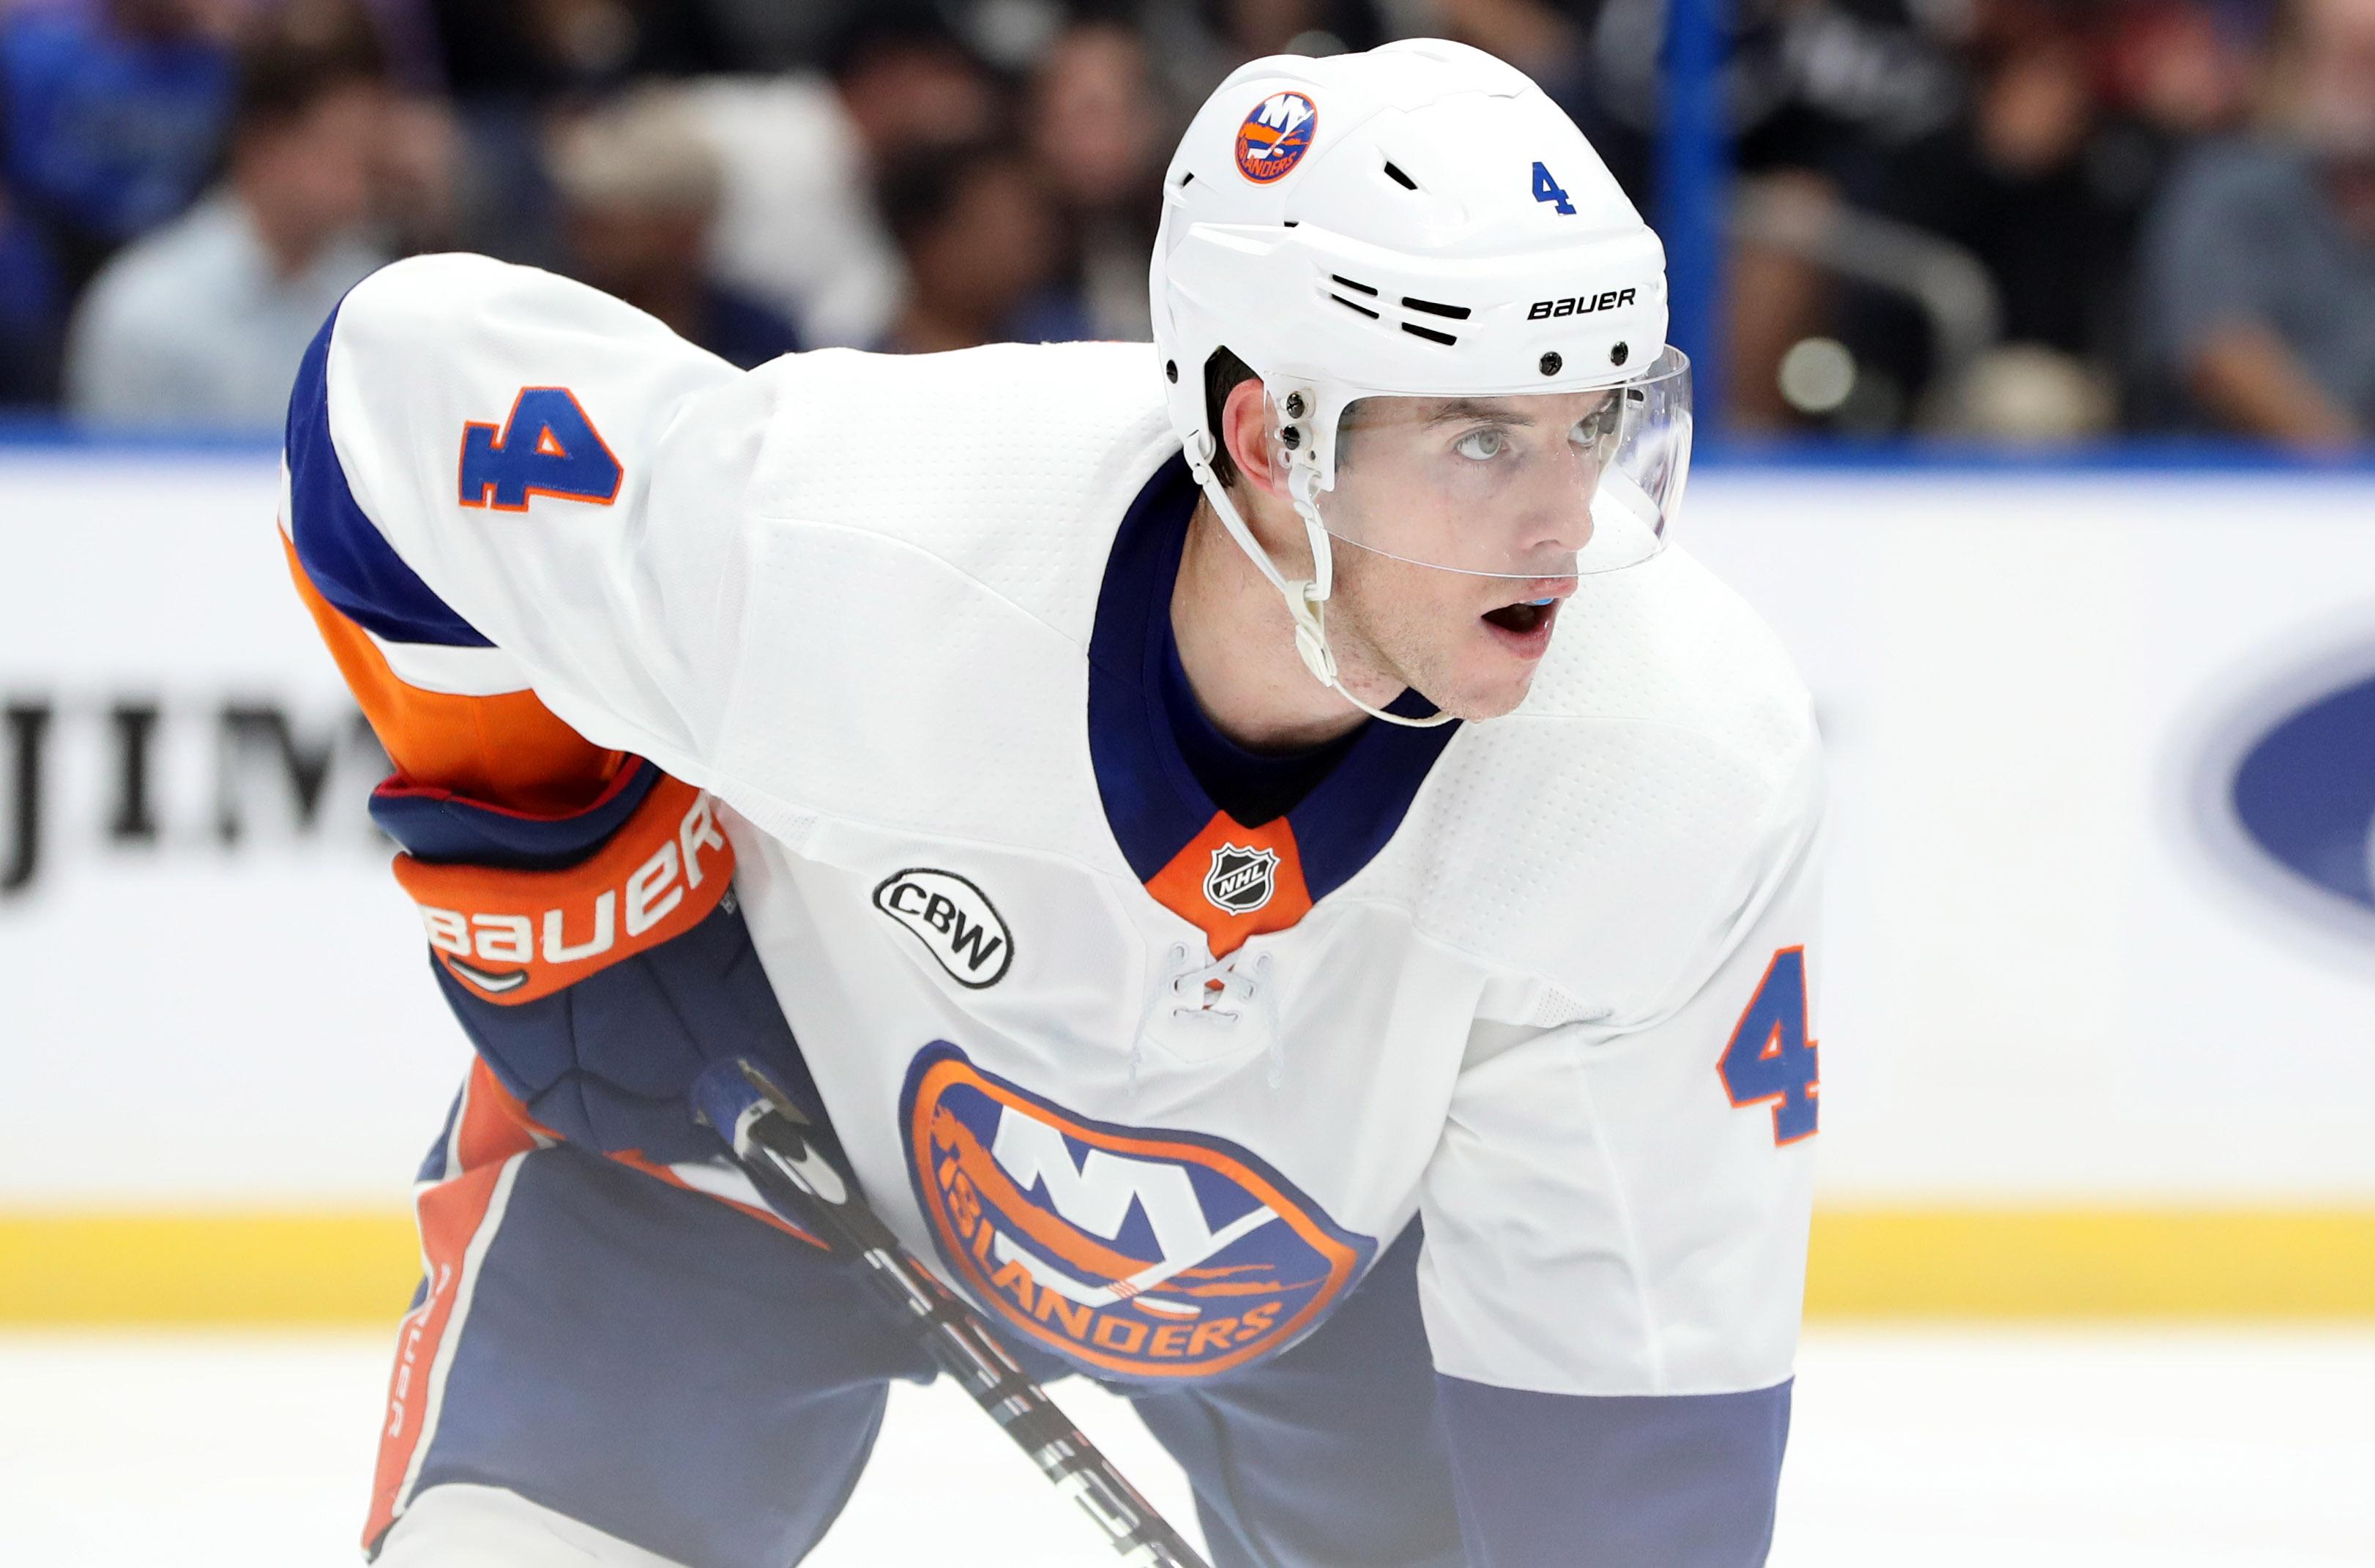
1275,136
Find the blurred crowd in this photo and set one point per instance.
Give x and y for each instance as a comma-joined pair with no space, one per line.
2029,219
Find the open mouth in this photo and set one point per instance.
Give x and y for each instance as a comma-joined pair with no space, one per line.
1524,616
1523,626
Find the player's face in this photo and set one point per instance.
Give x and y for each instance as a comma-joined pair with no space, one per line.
1462,643
1460,525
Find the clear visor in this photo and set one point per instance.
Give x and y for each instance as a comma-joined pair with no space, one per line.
1538,485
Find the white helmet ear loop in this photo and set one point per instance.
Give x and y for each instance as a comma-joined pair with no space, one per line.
1308,601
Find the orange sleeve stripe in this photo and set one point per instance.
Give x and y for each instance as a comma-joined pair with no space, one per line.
508,751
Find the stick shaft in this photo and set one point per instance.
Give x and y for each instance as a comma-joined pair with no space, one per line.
771,1139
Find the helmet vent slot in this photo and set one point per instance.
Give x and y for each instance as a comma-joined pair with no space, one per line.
1428,333
1394,174
1457,312
1339,277
1350,306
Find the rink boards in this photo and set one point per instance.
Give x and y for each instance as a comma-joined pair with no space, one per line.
2098,1005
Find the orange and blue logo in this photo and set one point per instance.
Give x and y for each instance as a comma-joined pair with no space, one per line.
1132,1252
1275,136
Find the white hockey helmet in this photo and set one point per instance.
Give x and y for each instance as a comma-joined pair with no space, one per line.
1378,233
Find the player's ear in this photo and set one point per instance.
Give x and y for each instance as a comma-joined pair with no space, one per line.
1245,431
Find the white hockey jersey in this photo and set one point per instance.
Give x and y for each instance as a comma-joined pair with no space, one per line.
1152,1086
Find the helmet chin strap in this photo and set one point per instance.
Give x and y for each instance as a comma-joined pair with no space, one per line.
1306,602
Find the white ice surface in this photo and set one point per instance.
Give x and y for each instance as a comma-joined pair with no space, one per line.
2007,1449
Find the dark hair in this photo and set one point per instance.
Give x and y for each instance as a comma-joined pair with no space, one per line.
1222,374
883,28
291,63
921,190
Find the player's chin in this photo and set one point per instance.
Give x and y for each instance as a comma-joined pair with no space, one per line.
1496,666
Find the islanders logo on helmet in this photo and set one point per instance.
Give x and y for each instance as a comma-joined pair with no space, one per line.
1130,1252
1275,136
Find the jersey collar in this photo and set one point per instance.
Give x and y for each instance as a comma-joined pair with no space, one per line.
1229,880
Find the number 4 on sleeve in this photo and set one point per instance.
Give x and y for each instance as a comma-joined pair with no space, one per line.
1769,1057
548,446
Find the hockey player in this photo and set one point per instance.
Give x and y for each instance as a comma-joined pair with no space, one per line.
1280,884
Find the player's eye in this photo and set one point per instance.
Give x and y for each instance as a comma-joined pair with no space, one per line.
1482,444
1598,426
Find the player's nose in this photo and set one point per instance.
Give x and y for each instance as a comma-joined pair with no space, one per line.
1557,514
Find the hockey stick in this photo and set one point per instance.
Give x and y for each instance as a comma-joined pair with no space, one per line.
771,1141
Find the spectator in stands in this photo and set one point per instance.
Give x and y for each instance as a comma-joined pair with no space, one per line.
112,114
2012,180
1823,94
638,184
1109,184
978,231
798,225
543,47
1195,43
2259,263
509,64
203,322
30,305
1923,189
417,170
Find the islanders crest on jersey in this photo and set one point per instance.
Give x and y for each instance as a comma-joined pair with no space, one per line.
1131,1251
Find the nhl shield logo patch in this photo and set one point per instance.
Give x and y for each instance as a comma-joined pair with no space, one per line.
1133,1252
1241,879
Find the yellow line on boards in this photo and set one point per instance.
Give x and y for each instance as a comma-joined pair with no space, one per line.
2209,1263
250,1269
269,1269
